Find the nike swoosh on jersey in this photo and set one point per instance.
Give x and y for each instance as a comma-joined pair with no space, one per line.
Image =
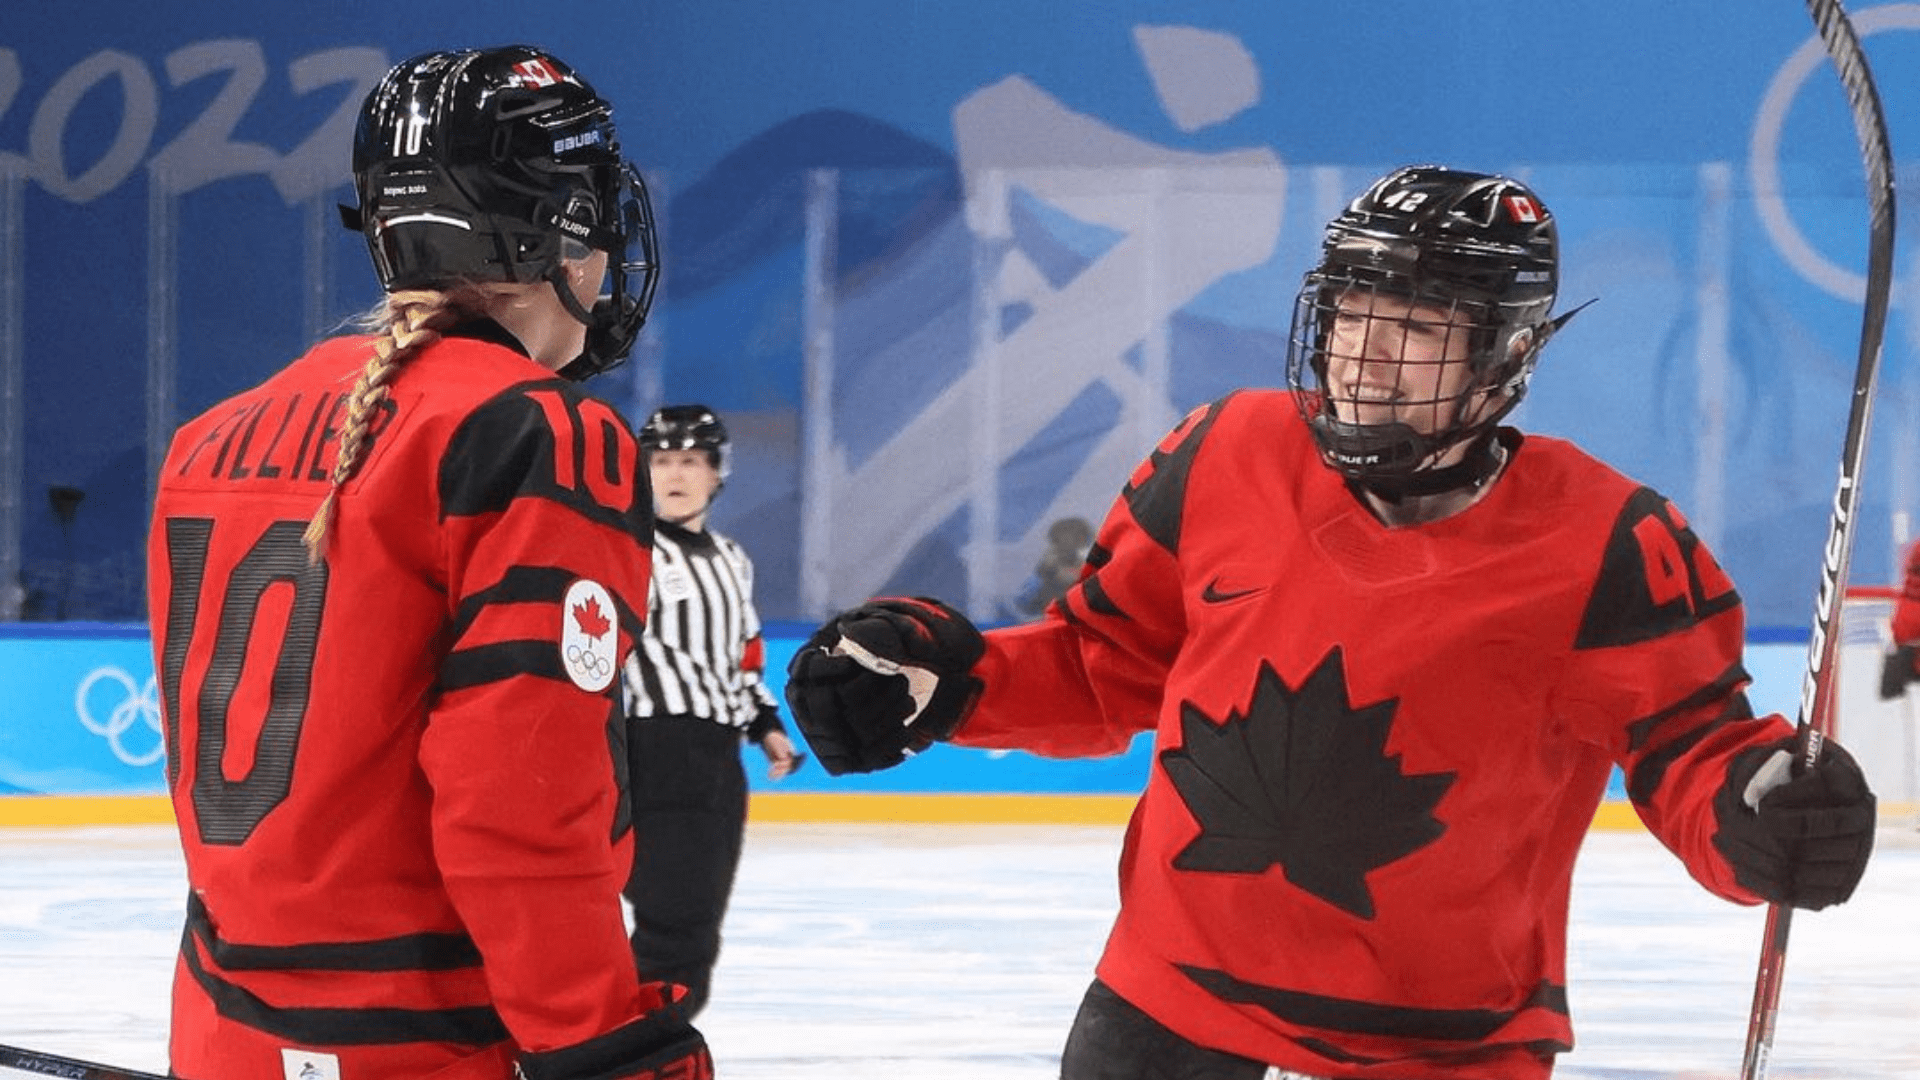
1212,594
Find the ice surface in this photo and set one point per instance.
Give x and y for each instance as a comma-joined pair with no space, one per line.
959,952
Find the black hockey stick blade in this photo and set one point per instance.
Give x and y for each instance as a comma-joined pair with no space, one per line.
32,1061
1818,687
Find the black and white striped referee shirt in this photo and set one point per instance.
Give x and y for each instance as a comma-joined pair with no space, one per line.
702,654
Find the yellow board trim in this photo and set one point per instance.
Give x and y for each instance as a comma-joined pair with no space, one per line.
85,810
986,809
864,807
1006,809
1616,816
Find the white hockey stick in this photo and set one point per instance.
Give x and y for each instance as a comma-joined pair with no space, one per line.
39,1064
1818,688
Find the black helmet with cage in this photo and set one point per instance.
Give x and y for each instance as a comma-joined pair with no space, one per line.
495,165
689,427
1480,253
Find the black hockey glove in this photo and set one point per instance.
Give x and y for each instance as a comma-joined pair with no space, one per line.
883,681
1796,835
658,1046
1897,671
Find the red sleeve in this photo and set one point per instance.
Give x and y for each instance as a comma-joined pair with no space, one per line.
545,529
1092,672
1661,682
1906,611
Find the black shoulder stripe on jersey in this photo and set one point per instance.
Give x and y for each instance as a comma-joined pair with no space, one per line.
476,1025
1158,499
1651,770
505,450
1656,578
1065,608
532,584
1371,1018
1098,599
1092,593
1643,729
411,952
482,664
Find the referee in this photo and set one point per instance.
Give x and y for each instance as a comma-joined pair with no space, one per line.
694,689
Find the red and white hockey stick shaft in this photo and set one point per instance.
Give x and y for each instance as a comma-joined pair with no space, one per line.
32,1061
1818,687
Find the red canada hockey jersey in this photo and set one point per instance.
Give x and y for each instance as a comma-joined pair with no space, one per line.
1906,609
1377,749
396,772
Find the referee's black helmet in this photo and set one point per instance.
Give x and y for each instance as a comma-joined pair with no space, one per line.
689,427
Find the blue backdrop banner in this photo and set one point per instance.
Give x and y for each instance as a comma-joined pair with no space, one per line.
79,716
949,270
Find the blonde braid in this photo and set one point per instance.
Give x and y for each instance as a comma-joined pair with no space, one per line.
412,321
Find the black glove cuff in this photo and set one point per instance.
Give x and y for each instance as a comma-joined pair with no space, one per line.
1897,670
764,723
659,1045
1808,841
915,630
854,719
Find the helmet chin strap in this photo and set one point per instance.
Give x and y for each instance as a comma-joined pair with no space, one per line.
562,288
1483,458
1401,449
586,365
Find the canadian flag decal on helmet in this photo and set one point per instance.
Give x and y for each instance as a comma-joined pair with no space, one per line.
536,72
1523,208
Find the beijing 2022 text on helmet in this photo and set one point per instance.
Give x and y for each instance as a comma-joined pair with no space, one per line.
689,427
1482,250
492,165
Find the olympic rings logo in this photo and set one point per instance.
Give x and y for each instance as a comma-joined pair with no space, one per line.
1763,154
590,662
133,704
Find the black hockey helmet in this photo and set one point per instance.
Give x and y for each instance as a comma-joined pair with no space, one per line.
689,427
494,165
1483,249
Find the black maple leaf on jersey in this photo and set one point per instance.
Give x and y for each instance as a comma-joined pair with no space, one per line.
1302,781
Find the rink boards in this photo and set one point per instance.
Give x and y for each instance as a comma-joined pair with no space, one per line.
80,743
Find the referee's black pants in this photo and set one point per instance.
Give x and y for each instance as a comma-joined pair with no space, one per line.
689,794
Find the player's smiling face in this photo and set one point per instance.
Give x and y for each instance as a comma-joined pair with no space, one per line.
684,482
1392,360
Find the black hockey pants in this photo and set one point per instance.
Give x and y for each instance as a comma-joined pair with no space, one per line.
1113,1040
689,793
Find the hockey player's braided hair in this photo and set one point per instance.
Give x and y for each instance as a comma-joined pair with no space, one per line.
411,319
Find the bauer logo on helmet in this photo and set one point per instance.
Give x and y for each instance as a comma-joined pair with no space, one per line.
591,137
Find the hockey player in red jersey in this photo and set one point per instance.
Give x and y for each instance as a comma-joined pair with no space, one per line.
1902,663
391,588
1390,651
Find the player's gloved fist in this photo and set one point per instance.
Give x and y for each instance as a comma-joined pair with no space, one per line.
1898,670
882,681
658,1046
1795,835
